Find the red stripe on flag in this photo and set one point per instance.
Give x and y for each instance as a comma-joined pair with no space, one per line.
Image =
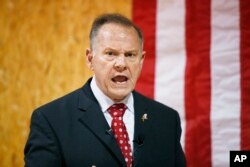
144,15
245,73
198,84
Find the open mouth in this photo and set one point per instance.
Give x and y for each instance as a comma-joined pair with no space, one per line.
119,79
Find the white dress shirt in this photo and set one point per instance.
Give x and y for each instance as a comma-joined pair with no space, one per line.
105,102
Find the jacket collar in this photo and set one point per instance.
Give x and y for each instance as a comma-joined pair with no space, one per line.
92,117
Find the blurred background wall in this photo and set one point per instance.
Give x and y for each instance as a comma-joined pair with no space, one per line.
42,57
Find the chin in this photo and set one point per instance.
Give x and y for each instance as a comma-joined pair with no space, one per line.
119,96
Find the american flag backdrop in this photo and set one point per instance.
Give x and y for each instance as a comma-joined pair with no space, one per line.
198,62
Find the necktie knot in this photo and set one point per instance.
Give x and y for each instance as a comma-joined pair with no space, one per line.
117,110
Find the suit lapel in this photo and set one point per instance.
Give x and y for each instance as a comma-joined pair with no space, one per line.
141,127
92,117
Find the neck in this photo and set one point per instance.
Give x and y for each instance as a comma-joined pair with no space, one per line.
118,100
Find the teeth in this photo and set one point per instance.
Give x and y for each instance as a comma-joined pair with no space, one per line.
120,82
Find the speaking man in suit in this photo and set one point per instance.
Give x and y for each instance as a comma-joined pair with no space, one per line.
106,123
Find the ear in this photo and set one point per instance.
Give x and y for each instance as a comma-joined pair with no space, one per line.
89,58
142,57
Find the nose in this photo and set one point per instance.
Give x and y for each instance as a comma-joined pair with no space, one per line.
120,63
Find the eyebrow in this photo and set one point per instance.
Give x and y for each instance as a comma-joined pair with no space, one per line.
126,51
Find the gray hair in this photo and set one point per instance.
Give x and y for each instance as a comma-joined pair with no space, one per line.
112,18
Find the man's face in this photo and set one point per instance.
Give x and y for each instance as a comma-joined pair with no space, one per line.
116,59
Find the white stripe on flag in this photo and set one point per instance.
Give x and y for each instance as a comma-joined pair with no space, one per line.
170,56
225,78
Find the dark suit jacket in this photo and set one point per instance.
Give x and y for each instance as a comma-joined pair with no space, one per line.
73,132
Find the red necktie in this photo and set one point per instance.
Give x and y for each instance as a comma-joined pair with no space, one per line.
120,132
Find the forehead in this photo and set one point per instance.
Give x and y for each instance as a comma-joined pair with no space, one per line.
117,34
116,27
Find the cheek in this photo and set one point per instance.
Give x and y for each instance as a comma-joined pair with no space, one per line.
136,69
102,69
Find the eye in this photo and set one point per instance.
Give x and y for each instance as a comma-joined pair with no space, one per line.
130,54
110,53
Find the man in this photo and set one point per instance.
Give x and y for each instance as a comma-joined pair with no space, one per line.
106,123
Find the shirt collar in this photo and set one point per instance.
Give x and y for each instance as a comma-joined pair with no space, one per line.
105,102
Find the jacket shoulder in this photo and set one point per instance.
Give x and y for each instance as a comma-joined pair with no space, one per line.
150,102
153,104
70,99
